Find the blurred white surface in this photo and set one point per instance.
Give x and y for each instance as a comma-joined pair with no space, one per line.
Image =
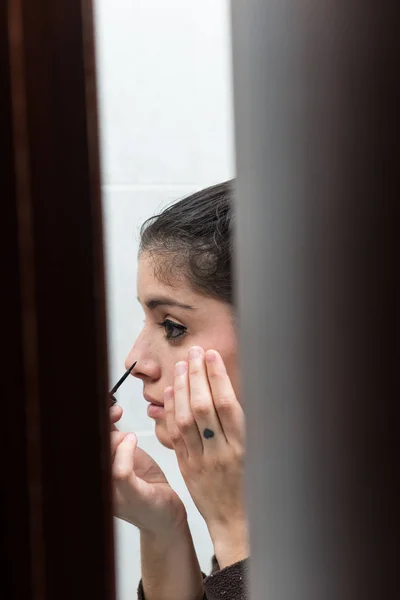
166,130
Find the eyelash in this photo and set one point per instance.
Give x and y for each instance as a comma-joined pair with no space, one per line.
168,323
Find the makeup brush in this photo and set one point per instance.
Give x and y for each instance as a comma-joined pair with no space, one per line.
119,382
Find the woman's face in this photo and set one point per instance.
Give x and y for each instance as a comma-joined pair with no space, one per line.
177,318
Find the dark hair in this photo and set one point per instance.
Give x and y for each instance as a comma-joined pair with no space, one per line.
193,237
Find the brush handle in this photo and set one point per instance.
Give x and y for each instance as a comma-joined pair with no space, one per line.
124,376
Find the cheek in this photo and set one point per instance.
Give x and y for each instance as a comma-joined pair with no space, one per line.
232,367
226,345
169,356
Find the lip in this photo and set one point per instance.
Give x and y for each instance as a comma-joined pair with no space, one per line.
155,411
152,400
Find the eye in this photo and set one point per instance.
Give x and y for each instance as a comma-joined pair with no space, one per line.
173,331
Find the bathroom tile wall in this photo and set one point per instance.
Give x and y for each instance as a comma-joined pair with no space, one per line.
166,130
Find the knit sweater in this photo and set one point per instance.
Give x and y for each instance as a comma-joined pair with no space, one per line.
222,584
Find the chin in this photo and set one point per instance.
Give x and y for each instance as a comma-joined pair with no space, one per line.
162,435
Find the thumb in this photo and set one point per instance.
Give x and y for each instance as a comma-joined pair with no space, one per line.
123,465
115,414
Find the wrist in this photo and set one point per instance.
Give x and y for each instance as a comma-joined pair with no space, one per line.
166,534
166,523
231,542
170,568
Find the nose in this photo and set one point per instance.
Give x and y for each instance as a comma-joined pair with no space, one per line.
147,367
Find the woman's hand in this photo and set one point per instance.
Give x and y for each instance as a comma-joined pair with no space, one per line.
142,494
206,425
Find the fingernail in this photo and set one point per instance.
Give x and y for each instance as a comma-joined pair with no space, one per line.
210,356
180,368
131,437
194,353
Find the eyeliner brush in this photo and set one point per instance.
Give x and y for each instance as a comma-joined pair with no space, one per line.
120,382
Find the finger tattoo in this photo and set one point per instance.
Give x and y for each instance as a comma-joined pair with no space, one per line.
208,433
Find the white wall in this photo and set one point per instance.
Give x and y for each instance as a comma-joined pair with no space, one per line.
166,130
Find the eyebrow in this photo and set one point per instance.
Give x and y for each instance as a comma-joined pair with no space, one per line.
153,303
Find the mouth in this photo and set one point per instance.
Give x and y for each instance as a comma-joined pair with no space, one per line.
152,401
155,410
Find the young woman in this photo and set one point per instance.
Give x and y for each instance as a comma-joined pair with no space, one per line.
187,360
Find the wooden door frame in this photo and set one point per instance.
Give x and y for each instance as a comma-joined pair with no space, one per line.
57,502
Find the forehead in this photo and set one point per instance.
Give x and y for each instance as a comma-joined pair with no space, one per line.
203,309
148,283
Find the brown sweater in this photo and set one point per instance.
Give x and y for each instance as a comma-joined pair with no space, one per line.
225,584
